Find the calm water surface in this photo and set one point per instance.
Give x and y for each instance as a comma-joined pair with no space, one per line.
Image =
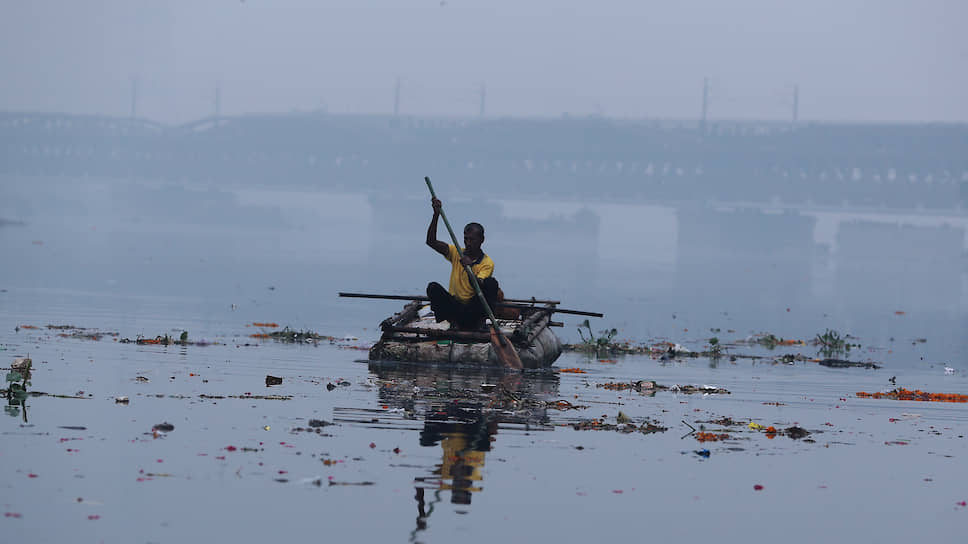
427,454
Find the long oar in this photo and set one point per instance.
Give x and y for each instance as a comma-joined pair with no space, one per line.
502,346
509,303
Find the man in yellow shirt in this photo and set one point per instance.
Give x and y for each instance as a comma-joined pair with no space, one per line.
459,304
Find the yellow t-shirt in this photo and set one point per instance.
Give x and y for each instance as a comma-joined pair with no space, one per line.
460,287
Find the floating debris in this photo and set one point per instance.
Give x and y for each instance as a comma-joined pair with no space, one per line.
916,395
650,386
273,380
647,427
247,396
21,364
840,363
293,336
332,483
166,340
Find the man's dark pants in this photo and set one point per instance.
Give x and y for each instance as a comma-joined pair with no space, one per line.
469,316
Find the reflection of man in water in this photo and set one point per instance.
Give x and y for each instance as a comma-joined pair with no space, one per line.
464,446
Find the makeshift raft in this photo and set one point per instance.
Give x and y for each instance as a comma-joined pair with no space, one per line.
414,335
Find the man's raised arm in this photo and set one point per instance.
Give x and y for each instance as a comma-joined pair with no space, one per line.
432,241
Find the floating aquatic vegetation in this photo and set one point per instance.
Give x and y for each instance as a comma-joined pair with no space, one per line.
770,341
840,363
646,386
18,380
832,343
293,336
602,345
167,340
916,395
715,347
626,426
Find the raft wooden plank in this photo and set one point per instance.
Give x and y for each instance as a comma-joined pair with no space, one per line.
406,315
441,333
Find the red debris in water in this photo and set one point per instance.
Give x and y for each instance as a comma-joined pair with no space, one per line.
230,448
372,444
758,487
93,517
617,491
396,450
12,515
31,475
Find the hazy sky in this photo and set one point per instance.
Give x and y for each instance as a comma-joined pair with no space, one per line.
852,59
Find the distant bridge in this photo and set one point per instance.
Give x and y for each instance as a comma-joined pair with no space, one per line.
876,165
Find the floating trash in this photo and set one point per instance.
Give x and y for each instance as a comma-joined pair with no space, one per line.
916,395
711,437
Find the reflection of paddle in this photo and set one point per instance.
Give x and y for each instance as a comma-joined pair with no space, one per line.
502,346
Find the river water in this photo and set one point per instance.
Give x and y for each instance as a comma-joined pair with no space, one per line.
429,455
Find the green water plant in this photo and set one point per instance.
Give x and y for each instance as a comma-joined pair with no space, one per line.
831,343
769,341
715,347
601,344
18,380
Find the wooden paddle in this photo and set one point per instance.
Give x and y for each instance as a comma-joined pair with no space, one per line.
502,346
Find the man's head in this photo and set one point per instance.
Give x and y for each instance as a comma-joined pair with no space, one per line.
473,237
